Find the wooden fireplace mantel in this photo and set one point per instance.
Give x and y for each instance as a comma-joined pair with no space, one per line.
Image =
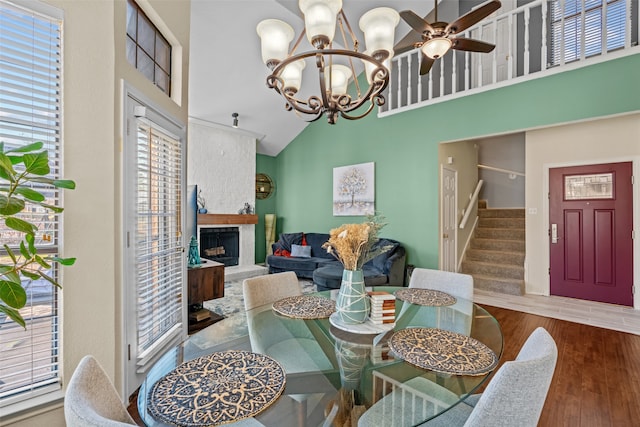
214,219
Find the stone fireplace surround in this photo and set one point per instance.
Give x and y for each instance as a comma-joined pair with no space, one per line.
221,161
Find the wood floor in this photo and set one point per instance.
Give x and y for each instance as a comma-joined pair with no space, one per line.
597,378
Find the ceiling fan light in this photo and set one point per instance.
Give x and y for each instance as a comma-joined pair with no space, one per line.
337,79
379,26
436,47
275,36
370,67
320,20
292,76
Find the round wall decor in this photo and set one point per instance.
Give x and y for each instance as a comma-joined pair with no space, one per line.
264,186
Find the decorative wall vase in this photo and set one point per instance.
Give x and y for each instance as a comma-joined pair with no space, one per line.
270,231
352,304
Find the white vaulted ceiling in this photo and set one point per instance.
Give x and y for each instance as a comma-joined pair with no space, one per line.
226,73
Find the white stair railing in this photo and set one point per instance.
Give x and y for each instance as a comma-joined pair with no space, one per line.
532,41
473,201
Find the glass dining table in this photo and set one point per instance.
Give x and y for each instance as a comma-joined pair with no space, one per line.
336,375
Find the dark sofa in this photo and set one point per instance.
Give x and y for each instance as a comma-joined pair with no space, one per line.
325,270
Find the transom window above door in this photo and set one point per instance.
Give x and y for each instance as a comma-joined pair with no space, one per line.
147,49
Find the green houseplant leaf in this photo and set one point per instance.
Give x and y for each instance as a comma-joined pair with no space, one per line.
64,183
13,294
20,169
20,225
28,193
34,146
13,314
10,205
37,163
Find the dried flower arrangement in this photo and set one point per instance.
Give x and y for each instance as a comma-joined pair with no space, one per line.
352,244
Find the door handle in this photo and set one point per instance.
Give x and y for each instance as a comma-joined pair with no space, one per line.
554,233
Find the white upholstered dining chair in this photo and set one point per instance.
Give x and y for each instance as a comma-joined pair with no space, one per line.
291,343
458,318
516,394
261,290
91,400
456,284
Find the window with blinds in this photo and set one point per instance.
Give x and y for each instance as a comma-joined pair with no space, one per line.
584,28
31,111
158,239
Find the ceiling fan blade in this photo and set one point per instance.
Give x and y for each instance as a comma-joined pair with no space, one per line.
425,64
413,38
415,22
473,17
471,45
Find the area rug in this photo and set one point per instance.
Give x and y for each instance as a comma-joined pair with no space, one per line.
233,301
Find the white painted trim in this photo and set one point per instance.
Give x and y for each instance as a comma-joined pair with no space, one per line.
168,122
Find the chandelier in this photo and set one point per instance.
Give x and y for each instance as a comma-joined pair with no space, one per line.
335,67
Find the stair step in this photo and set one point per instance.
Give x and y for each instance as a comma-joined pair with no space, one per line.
496,284
496,257
500,233
493,270
498,245
501,222
500,213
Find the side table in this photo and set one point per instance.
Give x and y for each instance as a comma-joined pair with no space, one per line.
206,282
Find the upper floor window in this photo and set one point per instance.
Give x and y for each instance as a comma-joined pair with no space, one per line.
584,28
147,49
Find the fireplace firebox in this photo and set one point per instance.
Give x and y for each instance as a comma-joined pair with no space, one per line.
220,244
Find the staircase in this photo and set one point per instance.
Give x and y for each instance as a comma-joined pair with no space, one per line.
495,257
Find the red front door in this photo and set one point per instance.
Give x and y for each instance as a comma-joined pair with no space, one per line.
591,223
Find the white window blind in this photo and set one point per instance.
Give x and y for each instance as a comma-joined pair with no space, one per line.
584,28
30,106
158,238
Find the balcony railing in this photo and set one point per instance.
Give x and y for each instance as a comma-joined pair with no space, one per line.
532,41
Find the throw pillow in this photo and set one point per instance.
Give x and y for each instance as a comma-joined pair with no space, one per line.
301,251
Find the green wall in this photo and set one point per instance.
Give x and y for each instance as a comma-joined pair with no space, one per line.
404,148
266,165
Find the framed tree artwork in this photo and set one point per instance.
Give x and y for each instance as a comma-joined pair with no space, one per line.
354,190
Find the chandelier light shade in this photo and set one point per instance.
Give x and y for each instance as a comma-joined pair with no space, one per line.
292,76
436,47
334,68
378,26
320,20
276,36
337,79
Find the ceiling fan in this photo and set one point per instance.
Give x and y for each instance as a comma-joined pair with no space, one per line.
437,38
